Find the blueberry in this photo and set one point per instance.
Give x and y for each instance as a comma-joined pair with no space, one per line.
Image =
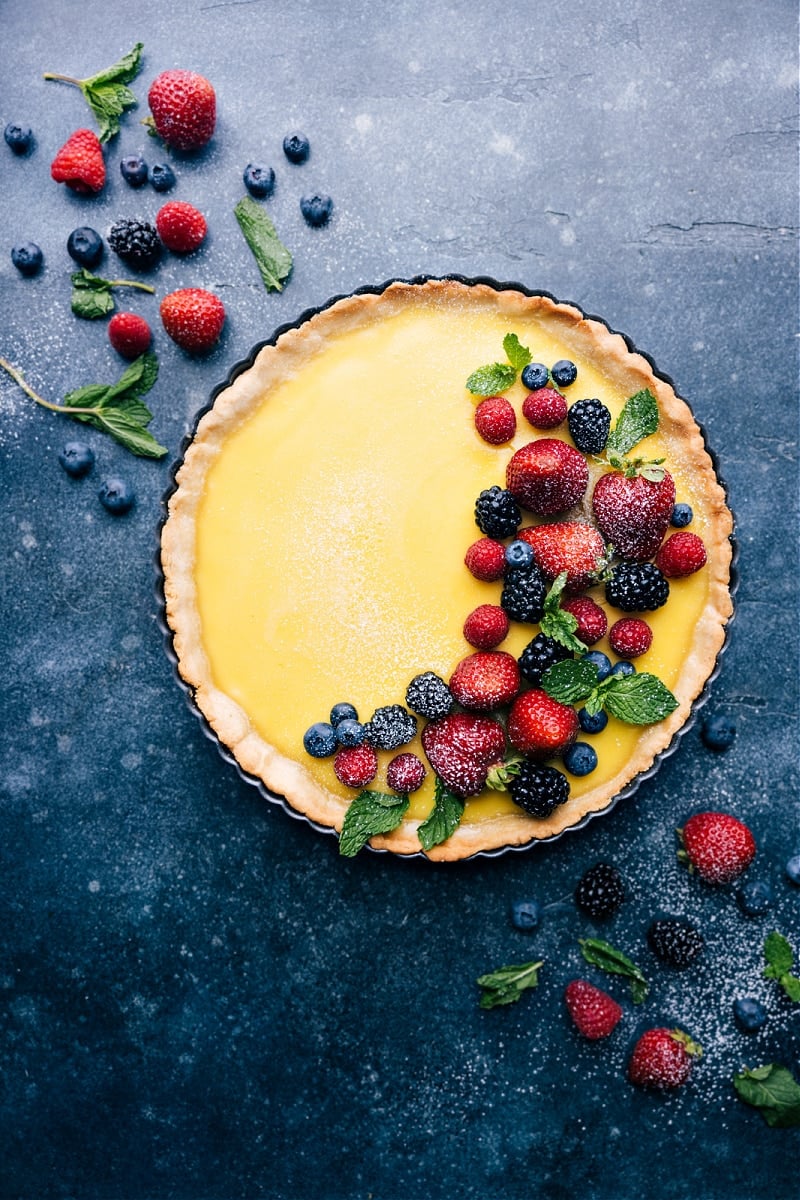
316,209
259,181
601,661
792,869
526,914
535,376
754,898
349,733
19,138
116,495
27,258
564,372
623,667
580,759
750,1014
718,732
296,147
519,555
343,712
320,740
77,459
681,516
134,170
162,177
85,246
592,722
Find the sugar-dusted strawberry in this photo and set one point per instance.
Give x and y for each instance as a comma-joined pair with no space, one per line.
356,766
184,108
572,546
595,1013
80,163
486,559
495,420
681,554
193,318
540,726
633,512
405,773
129,334
181,226
662,1059
486,626
630,637
547,476
485,680
717,845
592,621
461,748
545,408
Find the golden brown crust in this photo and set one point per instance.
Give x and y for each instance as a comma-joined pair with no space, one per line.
281,775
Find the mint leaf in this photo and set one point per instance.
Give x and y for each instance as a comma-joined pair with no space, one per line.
274,261
444,818
640,699
607,958
369,814
637,420
506,984
128,431
779,955
773,1090
791,986
570,681
518,355
91,294
106,92
556,623
491,380
138,378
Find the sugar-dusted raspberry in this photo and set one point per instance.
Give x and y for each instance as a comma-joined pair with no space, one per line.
545,408
681,554
356,766
405,773
486,626
495,420
486,559
592,621
630,637
129,334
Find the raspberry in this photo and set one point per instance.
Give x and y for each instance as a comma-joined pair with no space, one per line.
193,318
136,242
595,1013
356,766
630,637
80,164
545,408
485,680
486,559
129,334
497,513
181,227
592,621
486,627
681,554
405,773
495,420
589,422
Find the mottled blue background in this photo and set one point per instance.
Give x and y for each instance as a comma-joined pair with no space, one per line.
198,999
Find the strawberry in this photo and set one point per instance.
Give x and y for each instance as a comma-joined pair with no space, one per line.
129,334
545,408
485,680
486,627
594,1012
681,554
180,226
486,559
356,766
193,318
184,108
630,637
718,846
572,546
541,726
592,621
633,512
405,773
495,420
547,476
80,164
461,748
663,1059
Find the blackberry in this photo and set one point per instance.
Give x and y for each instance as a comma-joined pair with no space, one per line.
522,597
675,941
539,789
589,422
539,655
136,242
637,587
497,513
429,696
390,727
600,890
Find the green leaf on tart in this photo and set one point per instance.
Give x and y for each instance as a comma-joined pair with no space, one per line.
637,420
570,681
506,984
491,380
640,699
444,818
773,1091
370,813
518,355
605,956
555,622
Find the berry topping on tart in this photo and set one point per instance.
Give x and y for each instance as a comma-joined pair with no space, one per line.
547,477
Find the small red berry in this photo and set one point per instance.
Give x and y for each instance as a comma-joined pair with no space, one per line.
129,334
495,420
592,621
595,1013
717,845
184,108
193,318
630,637
681,554
662,1059
485,680
541,726
545,408
486,626
80,164
405,773
356,766
547,476
486,559
181,227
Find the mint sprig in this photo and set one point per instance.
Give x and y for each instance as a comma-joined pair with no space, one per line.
637,420
780,960
370,813
91,294
506,984
773,1091
444,818
107,93
273,259
556,623
640,699
605,956
498,377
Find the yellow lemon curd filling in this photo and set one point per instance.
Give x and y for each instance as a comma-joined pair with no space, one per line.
331,536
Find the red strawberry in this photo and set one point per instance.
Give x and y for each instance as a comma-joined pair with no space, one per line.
486,626
486,559
592,621
356,766
718,846
545,408
129,334
184,108
594,1012
80,164
180,226
485,680
662,1058
572,546
193,318
547,476
541,726
495,420
633,512
630,637
681,554
405,773
461,748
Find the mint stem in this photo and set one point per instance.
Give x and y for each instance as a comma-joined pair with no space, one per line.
62,408
145,287
63,78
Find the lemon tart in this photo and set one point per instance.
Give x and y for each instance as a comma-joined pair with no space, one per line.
314,543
